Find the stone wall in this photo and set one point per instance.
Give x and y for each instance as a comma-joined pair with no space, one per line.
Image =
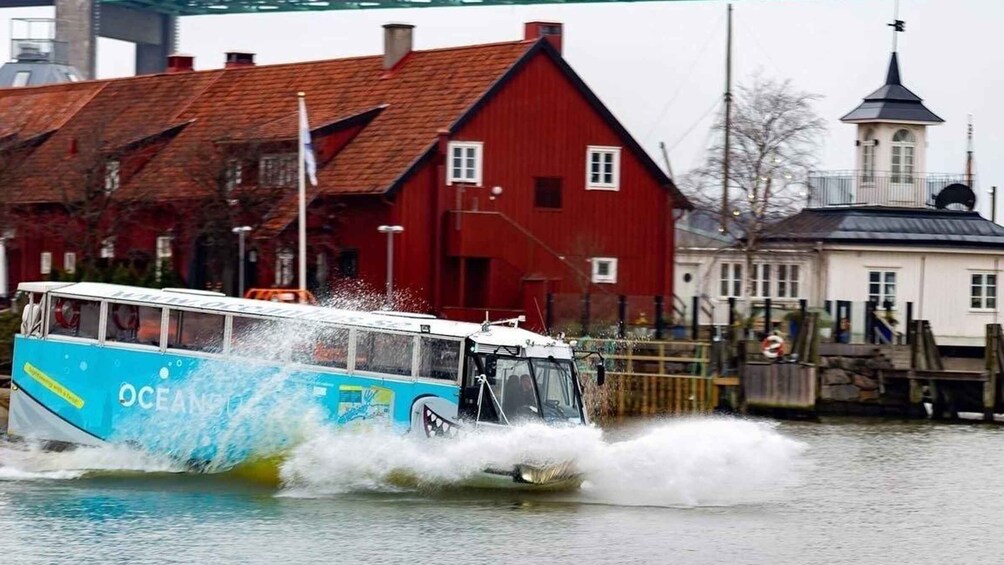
851,379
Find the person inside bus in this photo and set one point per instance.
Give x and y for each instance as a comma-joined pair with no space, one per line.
519,400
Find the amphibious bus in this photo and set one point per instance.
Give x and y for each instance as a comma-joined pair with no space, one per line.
214,379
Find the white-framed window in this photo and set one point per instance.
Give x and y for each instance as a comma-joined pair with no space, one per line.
788,281
108,248
903,143
232,174
70,262
868,157
761,280
731,280
21,78
277,170
46,263
164,254
882,288
112,179
465,159
603,168
983,291
284,267
604,270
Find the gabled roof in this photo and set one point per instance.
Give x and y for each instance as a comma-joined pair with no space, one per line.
402,111
880,225
892,102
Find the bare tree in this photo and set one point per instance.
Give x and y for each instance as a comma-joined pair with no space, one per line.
775,134
231,194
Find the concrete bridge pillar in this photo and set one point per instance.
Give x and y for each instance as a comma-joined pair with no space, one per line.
80,22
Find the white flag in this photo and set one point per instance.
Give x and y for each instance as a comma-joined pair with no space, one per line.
308,149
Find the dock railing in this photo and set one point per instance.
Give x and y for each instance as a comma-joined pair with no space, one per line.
653,377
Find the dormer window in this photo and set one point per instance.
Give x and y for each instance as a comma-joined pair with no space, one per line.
232,174
111,176
903,147
277,170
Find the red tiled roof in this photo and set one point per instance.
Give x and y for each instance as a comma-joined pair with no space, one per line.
426,92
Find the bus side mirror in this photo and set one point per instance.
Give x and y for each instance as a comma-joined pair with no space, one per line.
491,365
601,374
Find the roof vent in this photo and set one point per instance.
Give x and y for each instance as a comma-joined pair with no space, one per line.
179,63
239,59
397,43
552,31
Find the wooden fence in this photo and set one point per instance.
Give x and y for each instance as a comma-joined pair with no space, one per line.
654,377
780,385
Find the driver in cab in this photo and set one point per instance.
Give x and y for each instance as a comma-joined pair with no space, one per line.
520,400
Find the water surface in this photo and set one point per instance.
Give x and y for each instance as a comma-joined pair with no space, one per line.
685,491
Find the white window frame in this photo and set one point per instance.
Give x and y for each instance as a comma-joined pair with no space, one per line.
284,267
763,284
731,274
868,157
45,266
232,174
614,153
789,277
285,170
70,262
476,176
113,178
108,248
611,276
883,282
163,253
903,151
985,302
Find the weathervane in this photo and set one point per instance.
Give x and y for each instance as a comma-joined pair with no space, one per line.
897,25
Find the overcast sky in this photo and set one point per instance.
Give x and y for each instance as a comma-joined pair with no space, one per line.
659,66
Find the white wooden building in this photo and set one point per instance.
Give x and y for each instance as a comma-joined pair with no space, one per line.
871,234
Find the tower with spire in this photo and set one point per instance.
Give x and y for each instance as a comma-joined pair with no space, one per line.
891,141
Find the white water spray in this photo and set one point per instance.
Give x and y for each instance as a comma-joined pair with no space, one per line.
690,462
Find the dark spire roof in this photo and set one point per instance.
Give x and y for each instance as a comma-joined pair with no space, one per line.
892,102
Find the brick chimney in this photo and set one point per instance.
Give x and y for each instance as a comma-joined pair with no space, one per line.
397,43
552,31
179,63
237,59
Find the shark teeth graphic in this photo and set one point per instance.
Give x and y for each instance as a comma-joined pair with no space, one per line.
438,426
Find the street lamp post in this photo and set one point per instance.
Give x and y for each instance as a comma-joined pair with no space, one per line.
390,231
240,231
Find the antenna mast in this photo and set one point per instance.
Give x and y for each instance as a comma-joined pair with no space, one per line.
969,152
728,122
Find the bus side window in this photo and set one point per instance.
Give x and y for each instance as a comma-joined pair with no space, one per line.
74,317
324,346
440,359
384,353
258,338
133,324
195,331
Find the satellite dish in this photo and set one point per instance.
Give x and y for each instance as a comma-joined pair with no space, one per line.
955,197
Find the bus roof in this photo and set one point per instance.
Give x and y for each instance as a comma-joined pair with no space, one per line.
184,298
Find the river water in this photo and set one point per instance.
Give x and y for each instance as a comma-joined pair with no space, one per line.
714,490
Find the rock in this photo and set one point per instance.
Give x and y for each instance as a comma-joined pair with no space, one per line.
868,395
865,383
835,377
840,392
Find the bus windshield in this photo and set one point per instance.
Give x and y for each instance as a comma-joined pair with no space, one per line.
559,397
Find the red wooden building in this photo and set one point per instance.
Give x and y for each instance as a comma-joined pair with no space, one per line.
509,176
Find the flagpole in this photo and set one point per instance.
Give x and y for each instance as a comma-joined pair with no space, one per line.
303,199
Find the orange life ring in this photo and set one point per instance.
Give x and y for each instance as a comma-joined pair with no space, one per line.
131,321
772,346
68,312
